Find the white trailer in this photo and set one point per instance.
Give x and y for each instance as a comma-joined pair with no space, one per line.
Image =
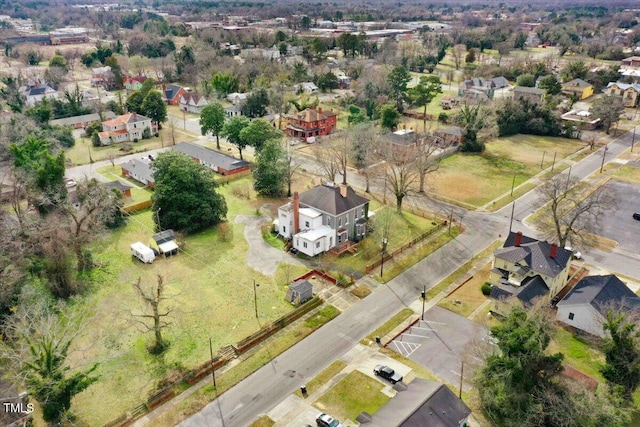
143,252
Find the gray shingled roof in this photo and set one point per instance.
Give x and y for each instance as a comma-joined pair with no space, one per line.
327,198
210,156
603,293
577,82
140,167
301,286
164,236
528,292
117,184
537,255
423,404
524,89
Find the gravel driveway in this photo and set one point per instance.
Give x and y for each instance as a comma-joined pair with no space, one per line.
262,257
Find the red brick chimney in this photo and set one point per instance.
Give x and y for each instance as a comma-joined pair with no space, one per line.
554,251
296,213
518,239
343,190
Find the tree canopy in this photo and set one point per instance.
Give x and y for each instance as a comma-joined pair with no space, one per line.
212,119
258,132
232,129
154,107
270,172
185,196
398,79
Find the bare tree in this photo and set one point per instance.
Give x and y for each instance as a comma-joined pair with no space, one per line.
458,52
427,160
572,212
364,140
328,163
400,174
86,218
152,318
291,166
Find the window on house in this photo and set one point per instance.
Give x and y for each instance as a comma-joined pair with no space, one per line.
362,212
571,316
284,229
306,224
317,245
304,244
329,221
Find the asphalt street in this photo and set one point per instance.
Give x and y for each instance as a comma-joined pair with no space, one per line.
268,386
275,381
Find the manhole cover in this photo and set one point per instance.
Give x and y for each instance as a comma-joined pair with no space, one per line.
290,373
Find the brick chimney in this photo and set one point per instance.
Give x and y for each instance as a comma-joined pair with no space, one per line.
319,110
343,190
554,251
518,239
296,213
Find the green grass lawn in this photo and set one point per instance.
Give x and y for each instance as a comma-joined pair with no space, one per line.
82,152
388,326
137,194
578,353
406,227
211,297
476,179
352,395
325,375
628,173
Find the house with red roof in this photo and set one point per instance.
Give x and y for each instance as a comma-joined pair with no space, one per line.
131,84
128,127
310,123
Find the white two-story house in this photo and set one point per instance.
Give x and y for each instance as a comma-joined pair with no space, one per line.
128,127
323,217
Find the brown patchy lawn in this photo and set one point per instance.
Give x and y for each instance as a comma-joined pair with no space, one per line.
468,297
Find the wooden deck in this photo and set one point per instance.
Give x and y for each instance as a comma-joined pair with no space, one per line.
348,246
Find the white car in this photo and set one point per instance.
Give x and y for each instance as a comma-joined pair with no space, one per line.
324,420
70,182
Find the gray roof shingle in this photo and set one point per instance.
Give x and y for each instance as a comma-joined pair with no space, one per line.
423,404
536,254
531,289
327,198
603,293
210,156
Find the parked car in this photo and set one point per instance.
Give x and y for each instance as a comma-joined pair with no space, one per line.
575,253
70,182
636,215
387,373
324,420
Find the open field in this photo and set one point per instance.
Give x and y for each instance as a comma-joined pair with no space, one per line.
352,395
468,297
83,151
209,298
476,179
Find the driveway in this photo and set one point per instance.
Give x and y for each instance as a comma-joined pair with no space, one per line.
441,342
262,257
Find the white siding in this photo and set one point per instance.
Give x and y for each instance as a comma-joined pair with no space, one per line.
585,317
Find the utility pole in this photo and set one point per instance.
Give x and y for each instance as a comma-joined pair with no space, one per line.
604,153
255,298
553,165
542,162
213,371
461,376
513,207
513,184
424,298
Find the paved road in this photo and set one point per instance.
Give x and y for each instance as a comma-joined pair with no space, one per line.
269,385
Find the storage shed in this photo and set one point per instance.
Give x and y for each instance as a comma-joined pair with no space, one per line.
299,292
165,242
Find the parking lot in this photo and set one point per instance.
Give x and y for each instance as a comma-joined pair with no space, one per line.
441,342
618,224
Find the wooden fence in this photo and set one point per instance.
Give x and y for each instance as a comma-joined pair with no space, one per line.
137,207
220,359
403,248
316,273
